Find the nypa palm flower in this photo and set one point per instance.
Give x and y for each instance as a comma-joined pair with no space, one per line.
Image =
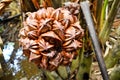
51,37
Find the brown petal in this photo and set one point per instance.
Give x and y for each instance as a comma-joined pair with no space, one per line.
59,29
34,57
70,33
45,26
23,32
58,25
35,51
44,46
44,11
67,15
49,54
57,14
53,15
65,23
41,13
76,12
25,43
67,54
72,18
67,61
33,34
49,11
73,33
60,34
51,37
34,47
31,15
30,28
73,46
77,26
66,43
56,61
44,63
31,22
80,31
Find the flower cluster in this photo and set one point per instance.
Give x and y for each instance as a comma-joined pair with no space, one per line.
51,37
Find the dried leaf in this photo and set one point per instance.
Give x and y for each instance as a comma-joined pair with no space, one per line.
36,4
4,4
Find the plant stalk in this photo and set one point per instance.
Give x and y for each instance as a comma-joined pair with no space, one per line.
96,45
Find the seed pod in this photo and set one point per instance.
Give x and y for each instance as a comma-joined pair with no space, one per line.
51,37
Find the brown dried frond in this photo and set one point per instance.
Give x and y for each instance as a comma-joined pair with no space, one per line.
4,4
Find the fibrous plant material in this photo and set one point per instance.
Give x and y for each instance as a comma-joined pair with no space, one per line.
51,37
